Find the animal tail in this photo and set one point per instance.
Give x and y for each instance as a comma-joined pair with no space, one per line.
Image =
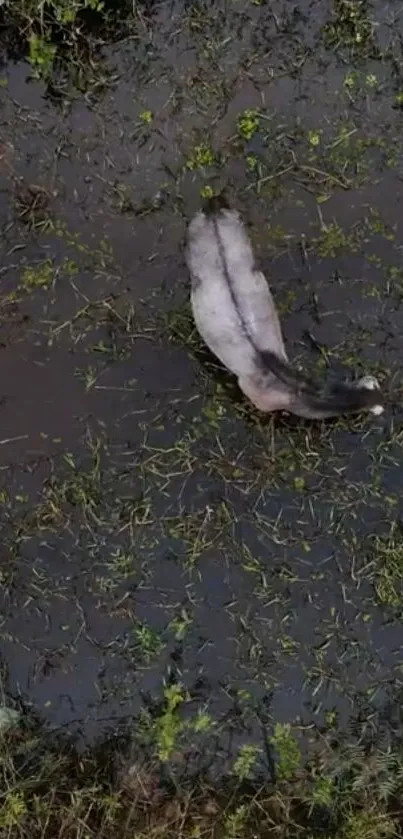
310,400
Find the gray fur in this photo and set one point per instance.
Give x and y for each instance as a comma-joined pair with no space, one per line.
236,316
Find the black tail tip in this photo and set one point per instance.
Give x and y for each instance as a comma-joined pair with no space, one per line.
215,203
365,395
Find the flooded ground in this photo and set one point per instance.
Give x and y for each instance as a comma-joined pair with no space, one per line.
155,530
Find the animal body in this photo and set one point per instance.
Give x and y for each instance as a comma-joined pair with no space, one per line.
236,316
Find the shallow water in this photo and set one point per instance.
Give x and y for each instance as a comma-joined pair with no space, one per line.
153,526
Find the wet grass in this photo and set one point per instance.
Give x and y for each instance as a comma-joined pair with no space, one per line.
388,557
64,41
49,790
351,28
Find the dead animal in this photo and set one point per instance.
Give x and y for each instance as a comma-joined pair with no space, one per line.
236,316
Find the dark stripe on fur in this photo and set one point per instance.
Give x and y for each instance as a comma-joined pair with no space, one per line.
227,276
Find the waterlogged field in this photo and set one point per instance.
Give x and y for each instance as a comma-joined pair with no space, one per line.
201,607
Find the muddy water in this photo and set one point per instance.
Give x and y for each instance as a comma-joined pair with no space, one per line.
153,529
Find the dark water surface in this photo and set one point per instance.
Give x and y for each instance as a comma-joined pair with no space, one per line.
153,527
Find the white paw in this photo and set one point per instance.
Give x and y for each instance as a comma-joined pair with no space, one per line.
371,383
